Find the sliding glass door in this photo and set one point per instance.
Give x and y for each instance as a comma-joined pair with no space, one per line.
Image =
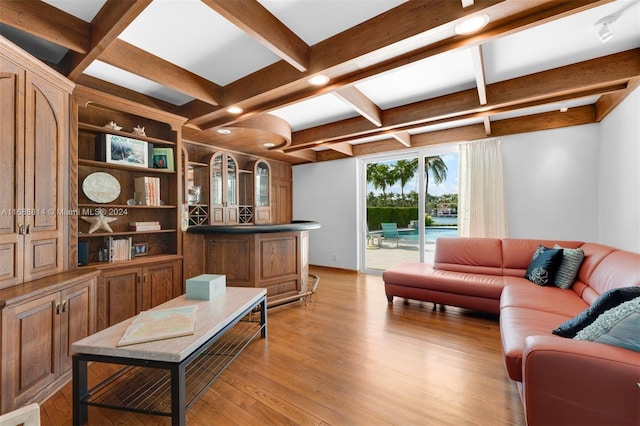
409,201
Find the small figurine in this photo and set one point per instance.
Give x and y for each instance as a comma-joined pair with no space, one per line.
139,131
112,125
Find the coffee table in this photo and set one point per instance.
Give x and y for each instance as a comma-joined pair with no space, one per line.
164,377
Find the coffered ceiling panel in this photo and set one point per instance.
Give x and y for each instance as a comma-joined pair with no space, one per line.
399,76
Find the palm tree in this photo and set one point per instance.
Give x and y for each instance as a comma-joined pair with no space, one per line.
438,169
379,175
405,170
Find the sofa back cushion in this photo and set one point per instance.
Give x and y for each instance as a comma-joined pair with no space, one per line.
473,255
617,269
517,253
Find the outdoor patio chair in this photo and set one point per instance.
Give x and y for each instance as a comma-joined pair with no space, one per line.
390,232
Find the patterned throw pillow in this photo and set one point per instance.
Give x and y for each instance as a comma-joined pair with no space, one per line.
571,262
607,300
544,265
618,327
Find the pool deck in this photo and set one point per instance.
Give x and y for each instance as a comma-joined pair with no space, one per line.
388,255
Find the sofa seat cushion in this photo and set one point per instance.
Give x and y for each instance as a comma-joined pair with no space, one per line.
520,293
422,275
516,323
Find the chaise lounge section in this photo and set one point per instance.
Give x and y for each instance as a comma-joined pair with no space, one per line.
562,381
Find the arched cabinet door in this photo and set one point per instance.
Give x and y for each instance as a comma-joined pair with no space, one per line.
262,192
223,189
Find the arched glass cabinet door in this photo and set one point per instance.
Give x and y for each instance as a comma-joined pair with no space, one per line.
223,189
262,192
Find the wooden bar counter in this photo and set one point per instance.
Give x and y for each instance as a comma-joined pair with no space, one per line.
273,257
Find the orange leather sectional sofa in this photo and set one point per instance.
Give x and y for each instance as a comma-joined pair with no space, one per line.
562,381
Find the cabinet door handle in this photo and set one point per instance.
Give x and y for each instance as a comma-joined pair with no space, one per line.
144,278
28,229
139,279
57,309
21,229
64,306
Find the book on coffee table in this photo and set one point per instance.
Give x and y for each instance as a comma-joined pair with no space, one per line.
159,324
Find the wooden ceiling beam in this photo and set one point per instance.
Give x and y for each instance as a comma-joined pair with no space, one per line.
278,85
600,75
478,69
544,121
140,62
47,22
251,17
360,103
610,101
106,26
343,147
403,137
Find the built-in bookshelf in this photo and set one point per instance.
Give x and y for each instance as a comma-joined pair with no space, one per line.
109,149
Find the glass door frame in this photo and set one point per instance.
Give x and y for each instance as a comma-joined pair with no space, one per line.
362,199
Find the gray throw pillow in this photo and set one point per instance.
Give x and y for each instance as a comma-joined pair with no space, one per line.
571,262
618,327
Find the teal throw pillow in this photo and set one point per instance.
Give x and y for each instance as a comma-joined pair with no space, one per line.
571,262
618,327
544,265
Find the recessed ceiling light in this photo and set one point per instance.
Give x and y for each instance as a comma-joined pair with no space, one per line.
224,131
318,80
471,24
268,145
234,110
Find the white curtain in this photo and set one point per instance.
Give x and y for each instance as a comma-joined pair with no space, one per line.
482,206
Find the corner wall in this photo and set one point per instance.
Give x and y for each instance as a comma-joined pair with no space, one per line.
619,172
551,180
328,193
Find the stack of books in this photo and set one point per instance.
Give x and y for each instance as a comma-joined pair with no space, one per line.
147,191
118,249
144,226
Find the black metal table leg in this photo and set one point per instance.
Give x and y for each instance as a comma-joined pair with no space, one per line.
79,391
178,395
263,318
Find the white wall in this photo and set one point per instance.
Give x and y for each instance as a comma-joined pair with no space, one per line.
328,193
619,171
578,183
551,180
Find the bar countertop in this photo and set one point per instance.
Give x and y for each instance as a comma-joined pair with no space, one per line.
296,225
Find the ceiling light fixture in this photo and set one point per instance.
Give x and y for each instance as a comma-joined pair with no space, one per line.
601,27
471,24
234,110
564,107
224,131
318,80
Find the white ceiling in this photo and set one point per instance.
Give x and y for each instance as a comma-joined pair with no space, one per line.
193,36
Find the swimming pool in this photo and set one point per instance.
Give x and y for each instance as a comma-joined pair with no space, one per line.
431,233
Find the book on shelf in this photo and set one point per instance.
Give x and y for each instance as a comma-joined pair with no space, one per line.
147,191
163,158
145,226
118,249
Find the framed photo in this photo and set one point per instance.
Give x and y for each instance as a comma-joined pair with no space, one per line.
122,150
163,158
140,249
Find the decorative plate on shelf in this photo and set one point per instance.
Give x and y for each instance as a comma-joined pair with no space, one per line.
101,187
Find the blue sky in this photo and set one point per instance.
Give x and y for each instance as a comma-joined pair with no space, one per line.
449,186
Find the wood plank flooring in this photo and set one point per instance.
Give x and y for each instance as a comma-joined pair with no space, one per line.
348,358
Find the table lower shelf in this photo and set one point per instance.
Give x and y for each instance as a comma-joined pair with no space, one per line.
148,389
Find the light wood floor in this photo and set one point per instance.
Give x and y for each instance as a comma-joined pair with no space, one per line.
348,358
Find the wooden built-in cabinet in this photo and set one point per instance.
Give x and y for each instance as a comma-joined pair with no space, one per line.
126,291
34,136
39,322
223,189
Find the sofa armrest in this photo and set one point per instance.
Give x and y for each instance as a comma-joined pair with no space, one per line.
569,382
